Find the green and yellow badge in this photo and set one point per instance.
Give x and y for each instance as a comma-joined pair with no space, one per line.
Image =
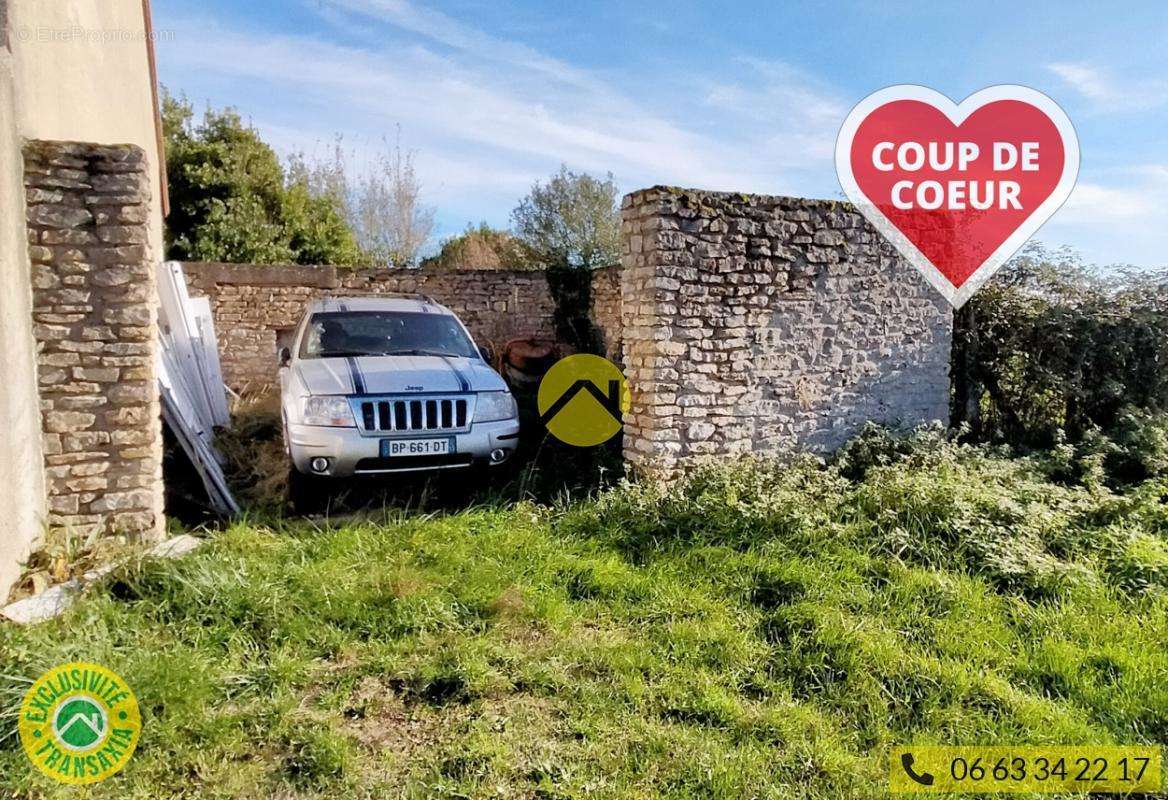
582,400
79,723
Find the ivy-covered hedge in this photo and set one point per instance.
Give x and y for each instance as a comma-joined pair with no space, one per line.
1052,350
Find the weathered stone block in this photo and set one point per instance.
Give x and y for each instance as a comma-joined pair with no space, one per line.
128,315
68,236
122,234
96,374
58,359
52,215
65,421
122,501
111,277
64,504
128,392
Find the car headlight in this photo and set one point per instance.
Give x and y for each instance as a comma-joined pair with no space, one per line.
333,412
494,406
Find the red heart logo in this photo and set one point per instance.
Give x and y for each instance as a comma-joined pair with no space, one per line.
957,189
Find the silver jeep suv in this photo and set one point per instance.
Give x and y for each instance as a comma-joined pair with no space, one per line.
390,384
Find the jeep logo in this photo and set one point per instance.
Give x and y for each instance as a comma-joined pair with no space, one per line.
412,388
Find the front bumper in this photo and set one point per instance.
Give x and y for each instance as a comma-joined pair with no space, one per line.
351,453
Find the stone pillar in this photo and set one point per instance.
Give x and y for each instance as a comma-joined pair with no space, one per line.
95,321
648,297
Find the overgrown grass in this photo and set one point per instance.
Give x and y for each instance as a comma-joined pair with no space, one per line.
757,631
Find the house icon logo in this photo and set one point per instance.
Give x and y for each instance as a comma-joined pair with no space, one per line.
582,400
79,723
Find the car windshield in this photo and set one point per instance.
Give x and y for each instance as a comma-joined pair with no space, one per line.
385,333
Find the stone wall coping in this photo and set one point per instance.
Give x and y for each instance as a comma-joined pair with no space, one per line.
327,276
662,191
221,273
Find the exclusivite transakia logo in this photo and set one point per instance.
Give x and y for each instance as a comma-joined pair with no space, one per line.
957,188
79,723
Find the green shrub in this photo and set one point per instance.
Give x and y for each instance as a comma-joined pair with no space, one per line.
1052,344
1134,450
1139,447
878,446
232,200
920,497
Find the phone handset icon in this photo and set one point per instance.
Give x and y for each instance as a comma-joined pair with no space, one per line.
924,779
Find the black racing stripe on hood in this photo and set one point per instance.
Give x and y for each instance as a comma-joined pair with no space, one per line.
463,383
355,375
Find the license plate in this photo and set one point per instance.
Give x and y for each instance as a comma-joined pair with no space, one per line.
416,447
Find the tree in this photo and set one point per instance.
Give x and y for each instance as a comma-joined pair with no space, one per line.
571,221
230,199
483,247
383,206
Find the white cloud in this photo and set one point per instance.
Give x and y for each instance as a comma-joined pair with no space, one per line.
1090,203
1157,173
1108,94
1134,195
445,30
792,118
491,115
1117,216
770,90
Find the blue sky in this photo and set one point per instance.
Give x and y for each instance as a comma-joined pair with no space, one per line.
747,96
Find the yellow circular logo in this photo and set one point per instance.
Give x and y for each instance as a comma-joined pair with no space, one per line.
582,398
79,723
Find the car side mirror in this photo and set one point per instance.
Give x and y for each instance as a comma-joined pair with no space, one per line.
487,355
285,356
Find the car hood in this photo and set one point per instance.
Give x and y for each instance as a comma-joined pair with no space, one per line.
397,375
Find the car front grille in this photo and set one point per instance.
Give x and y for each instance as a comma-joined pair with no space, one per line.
413,415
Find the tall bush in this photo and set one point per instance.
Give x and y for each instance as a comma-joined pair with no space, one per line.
483,247
382,202
572,221
230,199
1052,347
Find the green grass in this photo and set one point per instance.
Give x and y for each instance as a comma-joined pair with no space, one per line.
759,631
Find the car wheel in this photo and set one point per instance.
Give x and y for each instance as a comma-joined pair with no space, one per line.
306,494
484,477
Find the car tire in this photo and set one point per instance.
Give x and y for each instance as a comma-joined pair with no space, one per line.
486,478
306,494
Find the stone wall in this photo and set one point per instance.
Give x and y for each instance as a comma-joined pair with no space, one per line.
94,319
253,305
755,324
606,309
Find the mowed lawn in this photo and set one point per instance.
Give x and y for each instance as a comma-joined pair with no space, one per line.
759,631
